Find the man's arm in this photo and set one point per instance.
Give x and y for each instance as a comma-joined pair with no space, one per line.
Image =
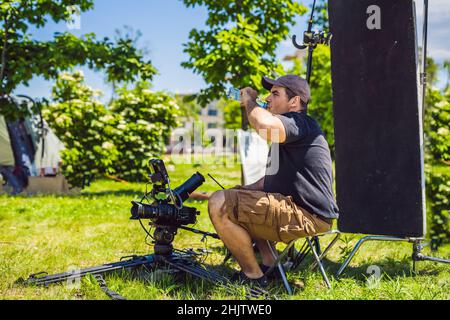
258,185
265,123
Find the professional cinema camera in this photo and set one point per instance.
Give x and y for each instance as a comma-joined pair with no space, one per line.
165,207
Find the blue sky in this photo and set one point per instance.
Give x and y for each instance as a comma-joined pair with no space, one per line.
165,26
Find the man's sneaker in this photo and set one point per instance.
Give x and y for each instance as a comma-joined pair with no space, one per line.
243,279
273,275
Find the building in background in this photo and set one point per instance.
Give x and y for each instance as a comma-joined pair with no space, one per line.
201,130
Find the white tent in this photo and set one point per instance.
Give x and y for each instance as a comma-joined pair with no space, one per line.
51,159
6,152
46,161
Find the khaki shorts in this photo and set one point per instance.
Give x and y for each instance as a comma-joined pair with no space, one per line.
271,216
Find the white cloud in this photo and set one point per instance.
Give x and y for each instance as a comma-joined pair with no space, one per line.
185,90
439,53
438,10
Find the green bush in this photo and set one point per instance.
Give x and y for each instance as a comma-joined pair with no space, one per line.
438,195
116,140
144,127
81,122
437,125
437,154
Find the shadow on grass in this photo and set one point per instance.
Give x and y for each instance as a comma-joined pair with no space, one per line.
84,194
132,194
176,284
389,266
158,280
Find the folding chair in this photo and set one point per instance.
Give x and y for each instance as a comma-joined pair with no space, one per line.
298,257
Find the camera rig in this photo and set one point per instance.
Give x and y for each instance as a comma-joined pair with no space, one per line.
165,209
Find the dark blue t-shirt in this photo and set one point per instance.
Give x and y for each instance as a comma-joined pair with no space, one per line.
301,167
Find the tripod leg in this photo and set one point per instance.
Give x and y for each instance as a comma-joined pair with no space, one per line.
103,269
358,245
227,257
418,256
198,270
194,268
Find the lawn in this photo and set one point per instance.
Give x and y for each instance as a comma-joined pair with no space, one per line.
61,233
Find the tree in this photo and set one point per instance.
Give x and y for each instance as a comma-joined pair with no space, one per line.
437,161
321,104
231,113
239,46
118,139
446,66
436,126
23,57
188,105
321,15
432,72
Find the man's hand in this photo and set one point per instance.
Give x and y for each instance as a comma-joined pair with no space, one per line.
248,95
268,126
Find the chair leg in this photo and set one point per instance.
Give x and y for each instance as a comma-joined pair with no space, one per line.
310,246
301,255
319,262
325,252
279,265
317,244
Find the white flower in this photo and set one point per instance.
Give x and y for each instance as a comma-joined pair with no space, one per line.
107,145
143,122
442,131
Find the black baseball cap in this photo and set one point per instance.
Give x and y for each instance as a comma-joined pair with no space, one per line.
296,84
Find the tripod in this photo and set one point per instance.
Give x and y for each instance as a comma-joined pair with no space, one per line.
165,257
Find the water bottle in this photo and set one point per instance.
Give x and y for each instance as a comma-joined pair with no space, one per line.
235,94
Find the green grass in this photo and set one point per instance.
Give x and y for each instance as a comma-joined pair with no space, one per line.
58,233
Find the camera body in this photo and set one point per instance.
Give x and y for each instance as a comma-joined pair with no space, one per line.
167,208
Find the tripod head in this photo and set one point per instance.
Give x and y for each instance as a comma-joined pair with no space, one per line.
312,39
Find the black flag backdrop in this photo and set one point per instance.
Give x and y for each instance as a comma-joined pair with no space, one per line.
378,131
